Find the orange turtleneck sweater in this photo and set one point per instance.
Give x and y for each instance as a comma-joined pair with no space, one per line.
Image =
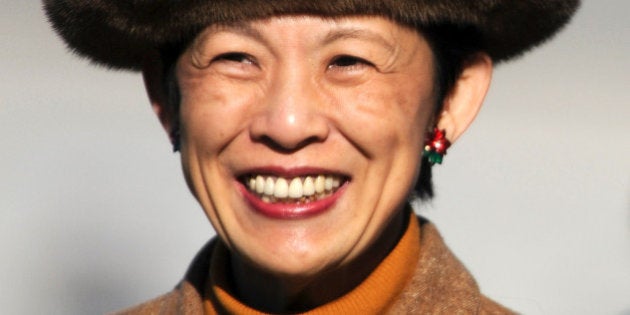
419,276
373,296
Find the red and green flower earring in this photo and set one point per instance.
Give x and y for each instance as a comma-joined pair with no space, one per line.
435,146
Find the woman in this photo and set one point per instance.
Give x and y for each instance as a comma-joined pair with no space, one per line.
304,129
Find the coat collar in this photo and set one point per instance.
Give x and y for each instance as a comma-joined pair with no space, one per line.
440,284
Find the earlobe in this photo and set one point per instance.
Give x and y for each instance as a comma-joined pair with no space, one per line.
153,76
464,101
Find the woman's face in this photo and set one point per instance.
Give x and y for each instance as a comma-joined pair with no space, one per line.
302,136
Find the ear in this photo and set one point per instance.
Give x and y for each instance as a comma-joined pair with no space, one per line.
464,101
153,75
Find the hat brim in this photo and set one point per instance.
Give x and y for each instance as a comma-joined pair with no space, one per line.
120,33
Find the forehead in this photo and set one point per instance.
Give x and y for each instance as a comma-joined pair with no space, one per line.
324,30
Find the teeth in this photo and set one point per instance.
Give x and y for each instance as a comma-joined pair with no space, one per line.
295,188
260,184
319,184
328,183
308,187
281,188
269,187
298,189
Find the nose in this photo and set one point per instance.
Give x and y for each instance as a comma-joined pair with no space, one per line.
293,115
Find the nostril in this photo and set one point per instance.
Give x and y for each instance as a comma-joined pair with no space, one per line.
286,148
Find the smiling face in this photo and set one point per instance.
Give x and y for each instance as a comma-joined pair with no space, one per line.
302,136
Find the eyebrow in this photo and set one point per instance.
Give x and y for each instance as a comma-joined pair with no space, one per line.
240,27
246,29
353,33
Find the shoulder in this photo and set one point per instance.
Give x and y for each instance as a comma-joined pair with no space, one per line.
165,304
187,296
490,307
441,284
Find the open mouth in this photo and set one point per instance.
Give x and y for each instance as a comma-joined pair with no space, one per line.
300,189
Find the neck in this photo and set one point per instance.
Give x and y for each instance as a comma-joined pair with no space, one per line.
270,292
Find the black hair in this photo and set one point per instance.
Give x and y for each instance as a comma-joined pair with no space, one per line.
452,46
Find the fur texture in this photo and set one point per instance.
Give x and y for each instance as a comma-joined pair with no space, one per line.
119,33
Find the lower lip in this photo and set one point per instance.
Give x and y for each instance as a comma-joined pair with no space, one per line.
280,210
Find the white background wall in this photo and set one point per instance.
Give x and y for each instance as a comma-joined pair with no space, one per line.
535,199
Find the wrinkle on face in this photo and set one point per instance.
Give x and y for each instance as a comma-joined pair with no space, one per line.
292,106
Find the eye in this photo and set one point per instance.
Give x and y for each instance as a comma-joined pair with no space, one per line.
346,62
237,65
236,57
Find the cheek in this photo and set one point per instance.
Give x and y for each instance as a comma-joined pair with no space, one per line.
388,116
214,113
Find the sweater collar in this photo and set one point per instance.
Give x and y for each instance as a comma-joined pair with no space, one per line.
374,295
437,282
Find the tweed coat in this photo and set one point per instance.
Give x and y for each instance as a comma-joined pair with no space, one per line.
440,285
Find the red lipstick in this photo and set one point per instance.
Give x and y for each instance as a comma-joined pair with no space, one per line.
290,210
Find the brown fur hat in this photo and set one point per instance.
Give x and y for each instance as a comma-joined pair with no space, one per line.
119,33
